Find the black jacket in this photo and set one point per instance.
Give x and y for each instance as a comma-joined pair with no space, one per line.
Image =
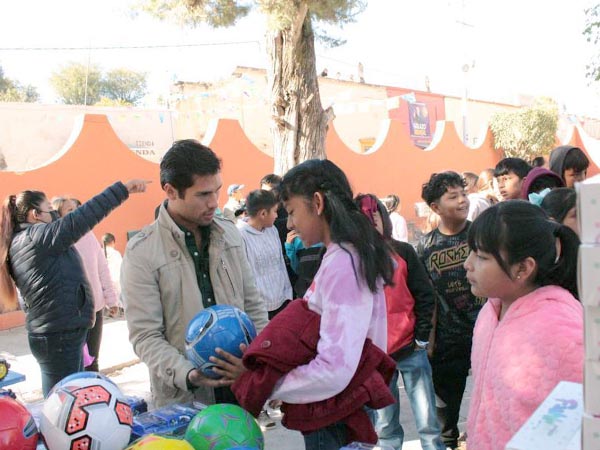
48,270
457,307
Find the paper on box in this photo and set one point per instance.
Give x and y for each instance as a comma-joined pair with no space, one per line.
555,424
591,388
590,432
591,325
588,210
588,273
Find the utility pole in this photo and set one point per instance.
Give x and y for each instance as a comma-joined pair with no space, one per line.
465,68
87,72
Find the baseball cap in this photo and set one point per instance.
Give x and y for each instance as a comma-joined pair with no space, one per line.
233,188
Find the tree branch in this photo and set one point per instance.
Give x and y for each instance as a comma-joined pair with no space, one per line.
298,22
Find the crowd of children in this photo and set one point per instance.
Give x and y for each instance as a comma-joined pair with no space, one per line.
490,291
466,297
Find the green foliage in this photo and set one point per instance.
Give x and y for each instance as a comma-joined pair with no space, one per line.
13,91
124,86
336,12
592,34
216,13
69,82
118,87
528,132
224,13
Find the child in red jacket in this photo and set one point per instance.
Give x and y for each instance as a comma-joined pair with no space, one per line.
410,302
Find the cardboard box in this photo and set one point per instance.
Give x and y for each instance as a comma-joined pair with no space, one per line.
591,388
588,210
590,432
588,275
556,424
591,325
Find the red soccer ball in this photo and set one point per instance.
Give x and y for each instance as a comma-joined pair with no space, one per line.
17,427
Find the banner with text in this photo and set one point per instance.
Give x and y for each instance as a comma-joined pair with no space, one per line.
420,131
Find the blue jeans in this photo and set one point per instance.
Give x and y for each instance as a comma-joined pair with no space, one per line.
58,354
329,438
416,374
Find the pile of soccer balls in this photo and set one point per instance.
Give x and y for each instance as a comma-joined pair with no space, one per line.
87,410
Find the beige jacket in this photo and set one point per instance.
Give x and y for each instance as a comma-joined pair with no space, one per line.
161,295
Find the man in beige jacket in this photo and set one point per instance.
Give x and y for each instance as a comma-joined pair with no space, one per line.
186,260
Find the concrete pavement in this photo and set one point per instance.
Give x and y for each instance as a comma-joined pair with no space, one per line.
119,362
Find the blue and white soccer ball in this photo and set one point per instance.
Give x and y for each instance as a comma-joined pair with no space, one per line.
222,326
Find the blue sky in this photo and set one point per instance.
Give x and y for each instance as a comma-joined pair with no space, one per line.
511,47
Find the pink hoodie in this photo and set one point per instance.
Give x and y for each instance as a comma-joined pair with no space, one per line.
517,362
96,271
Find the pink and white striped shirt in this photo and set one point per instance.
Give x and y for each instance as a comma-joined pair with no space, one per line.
350,313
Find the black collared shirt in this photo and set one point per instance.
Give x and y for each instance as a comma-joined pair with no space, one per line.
200,258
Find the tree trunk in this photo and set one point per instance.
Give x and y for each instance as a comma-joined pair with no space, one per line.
299,123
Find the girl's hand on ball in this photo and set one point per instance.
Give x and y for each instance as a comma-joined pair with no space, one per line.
230,367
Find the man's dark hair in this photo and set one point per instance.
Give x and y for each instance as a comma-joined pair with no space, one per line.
258,200
517,166
438,184
271,179
185,160
538,161
575,159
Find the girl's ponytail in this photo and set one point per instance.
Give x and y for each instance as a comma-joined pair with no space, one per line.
8,290
564,270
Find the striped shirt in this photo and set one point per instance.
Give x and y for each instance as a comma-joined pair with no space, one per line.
266,259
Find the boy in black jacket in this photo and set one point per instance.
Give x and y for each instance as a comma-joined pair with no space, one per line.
444,251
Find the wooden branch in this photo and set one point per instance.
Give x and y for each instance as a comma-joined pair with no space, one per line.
298,22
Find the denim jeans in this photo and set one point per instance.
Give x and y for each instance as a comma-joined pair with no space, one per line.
416,374
58,354
332,437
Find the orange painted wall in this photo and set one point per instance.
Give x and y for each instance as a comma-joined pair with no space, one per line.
97,158
399,167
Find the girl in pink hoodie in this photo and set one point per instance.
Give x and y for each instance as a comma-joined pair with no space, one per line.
529,335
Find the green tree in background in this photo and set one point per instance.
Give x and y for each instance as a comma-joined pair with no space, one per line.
123,86
528,132
299,123
13,91
77,84
118,87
